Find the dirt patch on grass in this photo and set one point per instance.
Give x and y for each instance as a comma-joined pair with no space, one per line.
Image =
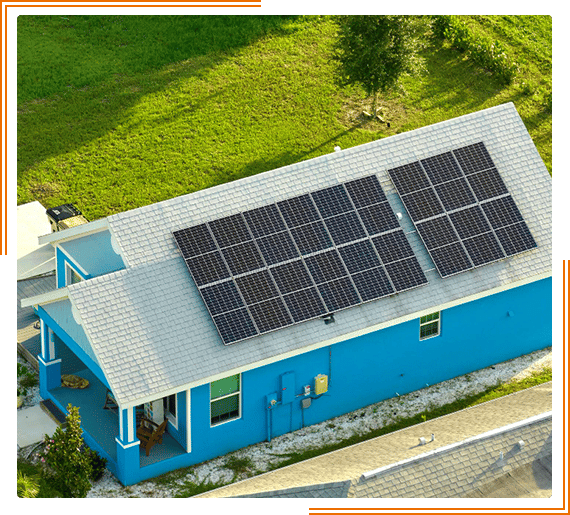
43,191
390,115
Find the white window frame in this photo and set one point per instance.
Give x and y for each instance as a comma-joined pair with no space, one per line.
428,322
69,271
238,393
171,418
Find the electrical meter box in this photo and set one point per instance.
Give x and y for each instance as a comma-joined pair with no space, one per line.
321,384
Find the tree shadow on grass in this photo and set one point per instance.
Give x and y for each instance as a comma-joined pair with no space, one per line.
73,116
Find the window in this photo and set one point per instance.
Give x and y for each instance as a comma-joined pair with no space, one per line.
225,399
429,325
72,276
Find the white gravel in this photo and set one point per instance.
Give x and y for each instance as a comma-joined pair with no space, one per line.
262,456
361,421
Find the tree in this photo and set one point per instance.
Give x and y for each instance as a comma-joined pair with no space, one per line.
375,51
64,455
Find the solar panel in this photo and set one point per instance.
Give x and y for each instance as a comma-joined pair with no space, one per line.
332,201
487,184
277,247
230,230
345,228
270,315
365,192
256,287
311,238
372,284
455,194
235,325
298,211
441,168
422,204
378,218
222,297
326,266
462,209
195,241
359,256
291,276
207,268
339,294
243,258
264,221
299,259
305,304
437,232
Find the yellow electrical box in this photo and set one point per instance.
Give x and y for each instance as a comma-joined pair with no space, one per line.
321,384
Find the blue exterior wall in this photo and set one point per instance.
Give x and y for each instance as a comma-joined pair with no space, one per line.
371,368
362,371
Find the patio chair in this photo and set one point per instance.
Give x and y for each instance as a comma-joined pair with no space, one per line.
150,433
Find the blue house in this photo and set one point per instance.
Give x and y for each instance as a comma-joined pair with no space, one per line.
254,308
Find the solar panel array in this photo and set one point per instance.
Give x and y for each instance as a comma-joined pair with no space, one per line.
462,209
299,259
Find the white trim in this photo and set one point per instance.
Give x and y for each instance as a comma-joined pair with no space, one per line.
52,362
42,338
233,394
45,298
74,265
482,436
348,336
74,232
188,422
132,444
120,413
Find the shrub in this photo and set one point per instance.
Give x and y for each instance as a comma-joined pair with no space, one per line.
71,468
26,380
489,55
97,464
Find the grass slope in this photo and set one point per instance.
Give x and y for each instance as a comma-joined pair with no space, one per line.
119,112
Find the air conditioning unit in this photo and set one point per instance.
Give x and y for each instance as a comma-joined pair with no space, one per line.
64,217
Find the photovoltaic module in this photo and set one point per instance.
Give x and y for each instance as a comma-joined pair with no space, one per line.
299,259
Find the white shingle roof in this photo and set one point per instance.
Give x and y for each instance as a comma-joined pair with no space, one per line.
150,329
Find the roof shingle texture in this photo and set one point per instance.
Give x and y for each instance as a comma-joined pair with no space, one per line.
150,329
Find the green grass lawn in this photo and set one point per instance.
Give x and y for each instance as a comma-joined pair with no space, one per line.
119,112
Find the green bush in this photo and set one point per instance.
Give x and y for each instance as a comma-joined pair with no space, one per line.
487,54
70,466
98,464
26,379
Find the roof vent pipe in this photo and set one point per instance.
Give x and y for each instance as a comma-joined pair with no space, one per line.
337,148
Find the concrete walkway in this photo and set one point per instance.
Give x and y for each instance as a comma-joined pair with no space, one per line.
351,462
33,424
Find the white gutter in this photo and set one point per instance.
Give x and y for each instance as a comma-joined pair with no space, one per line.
45,298
75,232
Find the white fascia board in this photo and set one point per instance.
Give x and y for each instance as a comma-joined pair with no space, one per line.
45,298
75,232
337,339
